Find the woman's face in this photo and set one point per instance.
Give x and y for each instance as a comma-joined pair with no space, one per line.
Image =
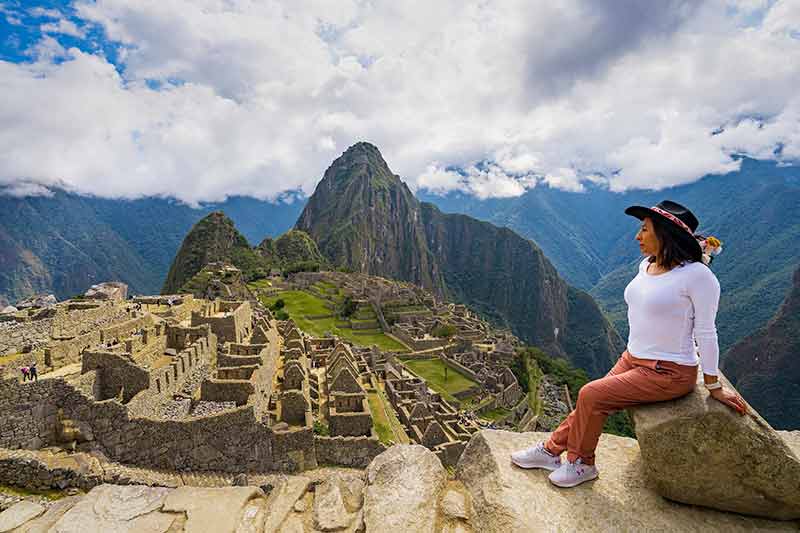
648,242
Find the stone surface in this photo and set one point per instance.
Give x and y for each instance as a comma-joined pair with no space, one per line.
329,510
698,451
18,514
506,498
281,501
43,523
217,510
454,505
293,525
117,509
252,520
403,487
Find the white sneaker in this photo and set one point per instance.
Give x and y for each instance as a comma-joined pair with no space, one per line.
536,457
572,474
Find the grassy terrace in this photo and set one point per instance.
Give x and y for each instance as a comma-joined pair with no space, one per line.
433,371
379,420
495,414
301,303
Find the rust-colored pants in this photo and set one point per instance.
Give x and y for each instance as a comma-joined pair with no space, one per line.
632,381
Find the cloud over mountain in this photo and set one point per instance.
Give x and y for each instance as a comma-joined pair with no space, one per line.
202,99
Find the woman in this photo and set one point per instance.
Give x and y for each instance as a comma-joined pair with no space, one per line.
672,299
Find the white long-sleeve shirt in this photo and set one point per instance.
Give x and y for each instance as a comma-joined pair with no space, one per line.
666,311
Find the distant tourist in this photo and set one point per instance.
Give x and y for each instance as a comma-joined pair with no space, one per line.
672,302
24,371
34,375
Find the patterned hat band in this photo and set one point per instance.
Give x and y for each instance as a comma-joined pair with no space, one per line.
673,218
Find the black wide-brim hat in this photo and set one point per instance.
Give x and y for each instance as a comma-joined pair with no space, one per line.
676,215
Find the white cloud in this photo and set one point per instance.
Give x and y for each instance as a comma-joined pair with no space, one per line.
514,93
45,13
67,27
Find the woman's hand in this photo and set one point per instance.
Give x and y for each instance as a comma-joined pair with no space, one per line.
731,399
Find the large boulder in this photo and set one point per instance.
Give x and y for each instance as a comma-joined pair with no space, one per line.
402,492
507,498
39,300
119,509
696,450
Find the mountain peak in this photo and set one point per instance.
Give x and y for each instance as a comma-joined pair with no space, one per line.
213,238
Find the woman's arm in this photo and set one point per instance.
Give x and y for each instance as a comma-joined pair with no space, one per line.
704,291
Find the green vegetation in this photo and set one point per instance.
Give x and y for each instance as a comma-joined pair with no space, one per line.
50,494
433,371
348,307
444,331
381,424
300,304
321,428
563,373
495,414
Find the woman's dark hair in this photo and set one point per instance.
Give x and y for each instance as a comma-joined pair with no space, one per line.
675,245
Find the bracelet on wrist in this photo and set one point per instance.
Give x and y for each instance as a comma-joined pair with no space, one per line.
713,386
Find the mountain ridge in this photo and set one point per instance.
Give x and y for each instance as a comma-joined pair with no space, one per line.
365,218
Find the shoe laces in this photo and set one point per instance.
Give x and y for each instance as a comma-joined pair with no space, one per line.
578,468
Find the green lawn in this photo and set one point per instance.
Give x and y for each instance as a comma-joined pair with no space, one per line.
379,420
495,414
260,284
300,303
432,370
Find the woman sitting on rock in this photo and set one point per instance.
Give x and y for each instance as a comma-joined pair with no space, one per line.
673,298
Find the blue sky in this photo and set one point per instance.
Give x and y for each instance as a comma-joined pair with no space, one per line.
21,29
200,99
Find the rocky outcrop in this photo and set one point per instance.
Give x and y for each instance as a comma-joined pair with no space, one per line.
506,498
290,250
763,366
698,451
365,218
213,239
19,514
403,487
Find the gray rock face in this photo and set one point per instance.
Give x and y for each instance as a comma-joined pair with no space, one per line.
506,498
403,487
18,514
698,451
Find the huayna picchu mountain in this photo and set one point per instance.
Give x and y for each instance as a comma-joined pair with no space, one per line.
215,239
364,217
764,366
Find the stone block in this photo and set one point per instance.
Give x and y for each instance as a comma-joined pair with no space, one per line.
697,450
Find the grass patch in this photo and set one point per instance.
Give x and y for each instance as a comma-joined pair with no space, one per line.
9,358
298,304
50,494
260,284
379,420
495,414
433,371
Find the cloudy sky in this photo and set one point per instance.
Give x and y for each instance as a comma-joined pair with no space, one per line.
200,99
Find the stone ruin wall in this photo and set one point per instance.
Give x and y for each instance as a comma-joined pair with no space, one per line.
73,319
28,413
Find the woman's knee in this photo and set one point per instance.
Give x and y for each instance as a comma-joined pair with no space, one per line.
590,393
